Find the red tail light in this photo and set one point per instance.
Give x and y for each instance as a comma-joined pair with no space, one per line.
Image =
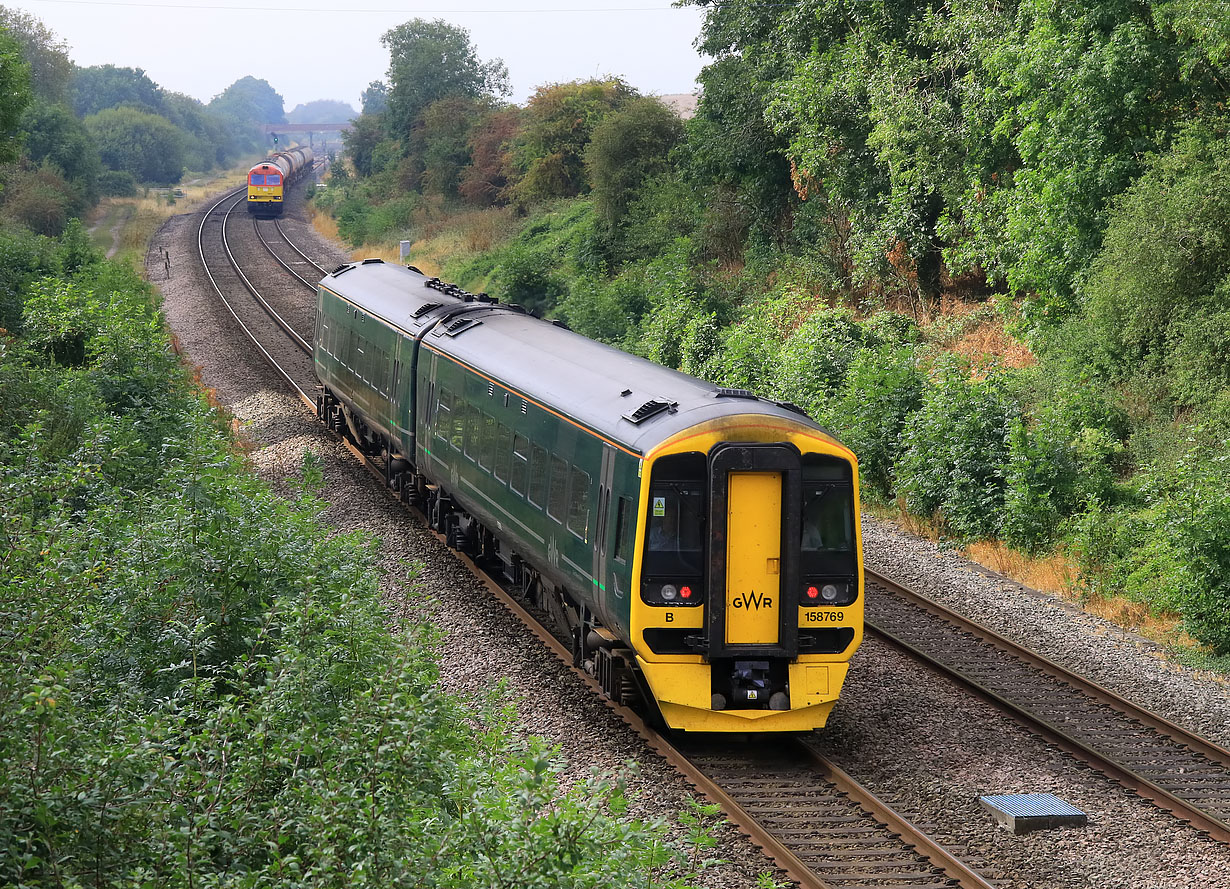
813,593
685,592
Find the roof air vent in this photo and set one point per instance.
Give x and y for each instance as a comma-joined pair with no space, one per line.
374,259
651,408
461,325
344,267
424,309
734,393
414,268
791,406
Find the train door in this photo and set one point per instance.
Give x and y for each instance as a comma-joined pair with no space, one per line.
605,530
754,569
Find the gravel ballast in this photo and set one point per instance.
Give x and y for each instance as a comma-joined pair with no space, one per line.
922,744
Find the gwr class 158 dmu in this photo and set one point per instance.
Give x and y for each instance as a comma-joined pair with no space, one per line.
700,546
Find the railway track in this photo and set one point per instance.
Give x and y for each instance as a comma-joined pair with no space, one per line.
1176,769
815,822
265,324
819,826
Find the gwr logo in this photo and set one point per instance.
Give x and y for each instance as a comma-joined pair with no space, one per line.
752,600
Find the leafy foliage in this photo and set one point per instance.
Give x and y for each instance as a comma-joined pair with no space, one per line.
559,120
145,145
198,683
430,61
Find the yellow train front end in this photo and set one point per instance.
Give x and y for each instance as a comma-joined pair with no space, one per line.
266,189
750,575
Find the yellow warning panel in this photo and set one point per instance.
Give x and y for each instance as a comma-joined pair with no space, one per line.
753,557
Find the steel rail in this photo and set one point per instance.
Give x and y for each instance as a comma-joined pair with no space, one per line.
200,241
1119,772
256,294
277,223
774,848
280,261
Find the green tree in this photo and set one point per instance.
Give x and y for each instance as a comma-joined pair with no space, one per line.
107,86
485,179
443,141
432,60
14,96
55,135
145,145
365,133
1158,295
627,148
321,111
559,119
51,69
375,98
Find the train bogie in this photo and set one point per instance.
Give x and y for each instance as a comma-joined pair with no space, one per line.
699,546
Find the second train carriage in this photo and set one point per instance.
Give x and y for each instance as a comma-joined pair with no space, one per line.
701,545
268,180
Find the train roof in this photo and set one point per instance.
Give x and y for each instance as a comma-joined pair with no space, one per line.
628,399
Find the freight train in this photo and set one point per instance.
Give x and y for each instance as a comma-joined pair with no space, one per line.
268,180
699,546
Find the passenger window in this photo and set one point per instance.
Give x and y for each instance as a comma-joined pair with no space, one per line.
444,415
473,429
519,479
622,527
458,438
578,503
503,452
538,475
557,501
486,451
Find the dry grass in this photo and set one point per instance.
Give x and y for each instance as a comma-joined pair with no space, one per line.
1055,574
989,342
143,215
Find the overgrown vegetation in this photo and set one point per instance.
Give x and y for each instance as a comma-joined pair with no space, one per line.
73,135
985,244
198,680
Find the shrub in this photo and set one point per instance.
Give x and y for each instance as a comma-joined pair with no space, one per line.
810,366
883,388
955,452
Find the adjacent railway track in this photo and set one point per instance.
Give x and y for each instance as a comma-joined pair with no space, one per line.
815,822
1176,769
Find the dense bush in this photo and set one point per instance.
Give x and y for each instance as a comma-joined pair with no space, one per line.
198,684
883,387
955,450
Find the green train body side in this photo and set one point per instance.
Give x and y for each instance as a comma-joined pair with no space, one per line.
452,391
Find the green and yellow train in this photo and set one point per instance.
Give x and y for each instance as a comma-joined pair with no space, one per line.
699,545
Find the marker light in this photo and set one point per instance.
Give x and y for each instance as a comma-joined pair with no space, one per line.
669,592
812,592
829,592
686,592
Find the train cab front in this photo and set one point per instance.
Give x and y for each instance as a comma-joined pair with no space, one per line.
750,576
265,189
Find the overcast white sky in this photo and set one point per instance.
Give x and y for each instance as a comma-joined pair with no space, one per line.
330,49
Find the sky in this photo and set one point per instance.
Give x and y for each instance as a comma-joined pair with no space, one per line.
327,49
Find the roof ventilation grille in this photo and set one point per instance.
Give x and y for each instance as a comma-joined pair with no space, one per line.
791,406
425,308
651,408
370,261
461,325
734,393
